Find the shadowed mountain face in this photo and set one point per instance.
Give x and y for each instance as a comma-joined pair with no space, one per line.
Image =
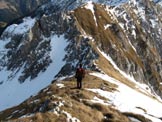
11,10
115,40
14,9
132,39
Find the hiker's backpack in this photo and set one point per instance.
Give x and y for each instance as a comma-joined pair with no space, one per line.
80,73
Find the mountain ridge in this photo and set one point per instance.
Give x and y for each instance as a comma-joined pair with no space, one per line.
122,42
66,103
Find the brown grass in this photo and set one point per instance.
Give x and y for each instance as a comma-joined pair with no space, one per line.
76,102
6,5
137,116
3,5
3,24
107,38
71,96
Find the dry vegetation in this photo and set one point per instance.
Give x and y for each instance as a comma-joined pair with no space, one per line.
3,5
3,24
6,5
114,41
107,38
75,101
78,102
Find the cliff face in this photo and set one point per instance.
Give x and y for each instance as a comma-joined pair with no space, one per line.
11,10
131,35
119,41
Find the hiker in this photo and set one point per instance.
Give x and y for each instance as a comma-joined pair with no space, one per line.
80,73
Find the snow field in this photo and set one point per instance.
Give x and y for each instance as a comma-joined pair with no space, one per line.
13,93
127,99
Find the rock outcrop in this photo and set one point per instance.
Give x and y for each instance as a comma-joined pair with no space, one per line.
12,10
115,40
130,34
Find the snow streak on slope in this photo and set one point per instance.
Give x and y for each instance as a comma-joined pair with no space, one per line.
127,99
116,2
22,28
160,3
13,93
91,8
143,87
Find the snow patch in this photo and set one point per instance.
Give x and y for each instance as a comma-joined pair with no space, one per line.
139,103
98,100
90,7
116,67
133,119
60,85
70,118
107,26
142,87
153,22
132,45
13,93
160,3
134,33
22,28
57,110
140,11
27,116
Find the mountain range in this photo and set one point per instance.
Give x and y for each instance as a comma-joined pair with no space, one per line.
119,44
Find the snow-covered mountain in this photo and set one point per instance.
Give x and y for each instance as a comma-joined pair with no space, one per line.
121,42
13,10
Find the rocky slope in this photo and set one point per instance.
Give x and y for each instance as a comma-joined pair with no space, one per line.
12,10
62,102
121,41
